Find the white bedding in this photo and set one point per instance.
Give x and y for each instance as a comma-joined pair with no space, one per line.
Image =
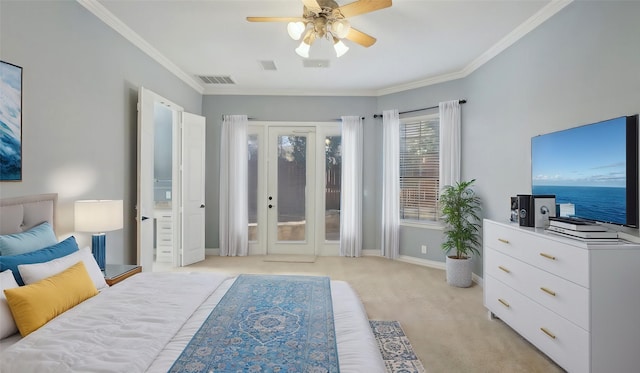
144,323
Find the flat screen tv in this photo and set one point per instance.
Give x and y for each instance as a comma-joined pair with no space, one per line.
592,170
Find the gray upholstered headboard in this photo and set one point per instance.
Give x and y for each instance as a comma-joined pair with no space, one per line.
18,214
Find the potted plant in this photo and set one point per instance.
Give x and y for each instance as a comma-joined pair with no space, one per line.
460,210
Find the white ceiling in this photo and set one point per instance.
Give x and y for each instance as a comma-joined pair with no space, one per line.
418,42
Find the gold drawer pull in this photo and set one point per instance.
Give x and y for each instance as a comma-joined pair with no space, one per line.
504,269
548,256
550,292
545,331
503,240
504,302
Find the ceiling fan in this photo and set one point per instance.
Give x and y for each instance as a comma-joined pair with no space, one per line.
325,18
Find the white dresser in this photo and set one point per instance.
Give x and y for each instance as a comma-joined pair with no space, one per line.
578,303
164,235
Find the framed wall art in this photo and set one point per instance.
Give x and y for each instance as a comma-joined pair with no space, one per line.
10,122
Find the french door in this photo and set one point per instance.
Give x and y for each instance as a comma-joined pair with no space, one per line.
291,190
293,198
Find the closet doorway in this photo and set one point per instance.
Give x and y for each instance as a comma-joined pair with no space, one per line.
170,208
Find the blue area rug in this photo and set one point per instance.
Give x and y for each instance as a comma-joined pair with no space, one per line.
267,324
395,348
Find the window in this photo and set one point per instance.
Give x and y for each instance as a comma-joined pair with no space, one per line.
419,168
333,186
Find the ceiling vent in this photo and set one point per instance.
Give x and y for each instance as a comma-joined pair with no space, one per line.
322,64
217,79
268,65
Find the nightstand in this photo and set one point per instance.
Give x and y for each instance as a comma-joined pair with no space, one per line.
114,273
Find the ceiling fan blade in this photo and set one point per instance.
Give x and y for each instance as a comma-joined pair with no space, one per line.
274,19
312,5
363,6
360,38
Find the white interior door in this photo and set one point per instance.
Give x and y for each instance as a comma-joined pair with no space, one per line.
291,191
145,194
144,207
193,183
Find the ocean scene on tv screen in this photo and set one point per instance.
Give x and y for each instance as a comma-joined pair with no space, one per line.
585,168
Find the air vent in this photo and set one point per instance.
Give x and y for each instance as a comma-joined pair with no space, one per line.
268,65
217,79
322,64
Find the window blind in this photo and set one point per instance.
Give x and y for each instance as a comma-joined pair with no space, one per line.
419,169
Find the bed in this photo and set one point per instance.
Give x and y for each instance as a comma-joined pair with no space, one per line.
149,323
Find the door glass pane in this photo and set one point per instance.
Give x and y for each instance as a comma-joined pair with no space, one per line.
292,182
252,186
333,177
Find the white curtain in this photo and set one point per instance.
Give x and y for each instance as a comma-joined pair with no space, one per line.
449,143
390,184
234,219
351,190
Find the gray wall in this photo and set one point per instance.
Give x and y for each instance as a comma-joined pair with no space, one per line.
579,67
80,86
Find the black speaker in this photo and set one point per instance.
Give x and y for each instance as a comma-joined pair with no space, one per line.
526,214
514,209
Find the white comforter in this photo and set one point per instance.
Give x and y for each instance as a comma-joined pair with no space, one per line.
144,323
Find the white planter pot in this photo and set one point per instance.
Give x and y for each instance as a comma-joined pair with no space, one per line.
459,272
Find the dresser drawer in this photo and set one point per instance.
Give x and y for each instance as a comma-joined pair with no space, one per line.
559,295
558,258
561,340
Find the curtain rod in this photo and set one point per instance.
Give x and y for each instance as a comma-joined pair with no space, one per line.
413,111
333,120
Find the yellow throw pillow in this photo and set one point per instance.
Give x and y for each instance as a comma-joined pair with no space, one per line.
36,304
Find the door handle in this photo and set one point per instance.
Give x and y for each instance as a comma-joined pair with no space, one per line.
143,218
202,206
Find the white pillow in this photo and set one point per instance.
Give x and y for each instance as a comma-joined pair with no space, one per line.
35,272
7,325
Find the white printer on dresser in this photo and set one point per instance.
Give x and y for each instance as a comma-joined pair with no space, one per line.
578,302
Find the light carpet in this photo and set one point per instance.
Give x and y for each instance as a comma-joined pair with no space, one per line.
290,258
395,348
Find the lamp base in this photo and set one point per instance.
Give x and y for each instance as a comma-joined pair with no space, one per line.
98,246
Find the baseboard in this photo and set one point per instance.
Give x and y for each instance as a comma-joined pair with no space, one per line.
421,262
435,264
370,253
478,280
402,258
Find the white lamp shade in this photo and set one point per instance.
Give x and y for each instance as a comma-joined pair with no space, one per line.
295,29
98,215
340,28
303,50
340,48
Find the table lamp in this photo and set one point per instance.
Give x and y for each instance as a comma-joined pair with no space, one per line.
98,217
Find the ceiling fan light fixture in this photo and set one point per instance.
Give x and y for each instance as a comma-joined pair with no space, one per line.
340,47
340,28
295,29
303,50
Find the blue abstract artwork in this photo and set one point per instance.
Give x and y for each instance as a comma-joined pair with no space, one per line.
10,122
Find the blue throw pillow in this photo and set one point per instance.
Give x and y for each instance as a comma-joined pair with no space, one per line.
33,239
63,248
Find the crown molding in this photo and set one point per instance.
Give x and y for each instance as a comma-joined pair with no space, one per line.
231,90
421,83
115,23
523,29
519,32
